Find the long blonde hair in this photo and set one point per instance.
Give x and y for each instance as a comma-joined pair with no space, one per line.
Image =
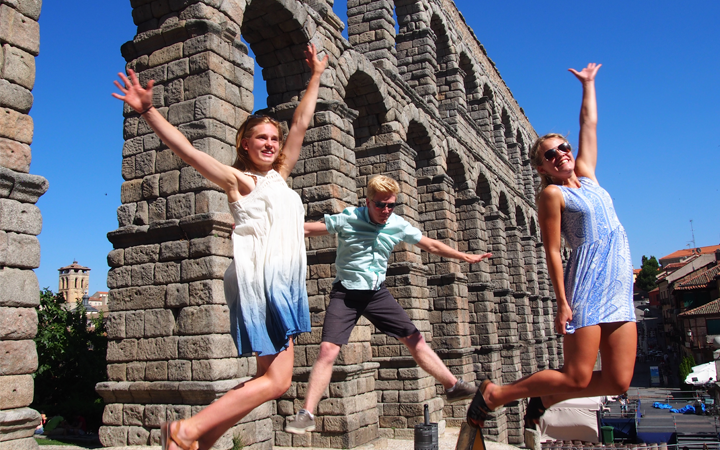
537,159
242,160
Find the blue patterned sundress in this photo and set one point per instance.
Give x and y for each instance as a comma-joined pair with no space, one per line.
265,284
599,273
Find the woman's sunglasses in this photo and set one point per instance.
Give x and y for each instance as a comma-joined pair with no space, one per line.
552,153
383,205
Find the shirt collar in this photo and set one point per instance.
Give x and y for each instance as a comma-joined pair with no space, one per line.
365,215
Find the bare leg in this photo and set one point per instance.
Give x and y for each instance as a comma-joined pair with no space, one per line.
617,342
274,376
320,375
426,358
618,347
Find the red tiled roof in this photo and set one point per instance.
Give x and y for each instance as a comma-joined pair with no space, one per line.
699,280
677,265
708,308
688,252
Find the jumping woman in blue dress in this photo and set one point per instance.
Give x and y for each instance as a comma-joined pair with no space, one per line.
594,293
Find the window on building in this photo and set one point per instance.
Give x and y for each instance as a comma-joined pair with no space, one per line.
713,326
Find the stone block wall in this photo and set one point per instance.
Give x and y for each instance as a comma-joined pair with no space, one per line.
424,105
20,223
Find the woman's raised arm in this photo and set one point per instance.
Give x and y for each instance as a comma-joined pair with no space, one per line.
140,99
304,111
586,160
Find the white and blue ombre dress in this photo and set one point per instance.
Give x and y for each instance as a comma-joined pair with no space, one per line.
265,285
599,273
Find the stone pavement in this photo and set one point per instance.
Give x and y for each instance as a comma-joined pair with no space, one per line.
446,441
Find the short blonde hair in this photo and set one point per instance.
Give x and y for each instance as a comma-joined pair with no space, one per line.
380,184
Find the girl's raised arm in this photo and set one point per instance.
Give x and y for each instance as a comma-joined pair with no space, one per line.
140,100
304,111
586,160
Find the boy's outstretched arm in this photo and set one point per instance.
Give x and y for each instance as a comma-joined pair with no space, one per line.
440,249
315,229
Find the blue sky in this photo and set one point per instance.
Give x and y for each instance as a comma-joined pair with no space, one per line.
658,95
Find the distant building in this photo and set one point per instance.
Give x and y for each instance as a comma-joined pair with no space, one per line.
99,301
74,282
682,255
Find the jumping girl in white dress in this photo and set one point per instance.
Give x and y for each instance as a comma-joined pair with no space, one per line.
265,284
594,296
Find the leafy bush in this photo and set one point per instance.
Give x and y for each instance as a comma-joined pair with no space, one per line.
71,359
686,366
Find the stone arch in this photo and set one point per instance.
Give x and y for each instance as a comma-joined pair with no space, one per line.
278,32
486,111
504,205
351,63
483,189
520,220
457,170
471,84
419,139
445,58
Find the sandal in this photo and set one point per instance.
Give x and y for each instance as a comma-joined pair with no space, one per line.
534,412
479,411
167,436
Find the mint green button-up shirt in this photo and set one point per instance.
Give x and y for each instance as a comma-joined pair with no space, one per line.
364,247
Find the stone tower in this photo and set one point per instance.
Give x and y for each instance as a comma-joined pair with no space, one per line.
424,105
20,223
73,283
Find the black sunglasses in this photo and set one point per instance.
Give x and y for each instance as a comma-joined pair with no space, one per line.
383,205
552,153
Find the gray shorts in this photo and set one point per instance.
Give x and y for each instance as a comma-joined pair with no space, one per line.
379,307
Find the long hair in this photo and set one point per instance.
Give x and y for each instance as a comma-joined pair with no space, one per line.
242,160
537,159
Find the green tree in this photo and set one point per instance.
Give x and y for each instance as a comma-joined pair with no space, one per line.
646,279
71,359
686,366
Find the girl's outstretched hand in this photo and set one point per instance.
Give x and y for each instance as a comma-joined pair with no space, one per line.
316,66
588,73
134,95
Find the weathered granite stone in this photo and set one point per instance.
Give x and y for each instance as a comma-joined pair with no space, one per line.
19,250
14,96
18,67
18,30
18,357
16,391
15,155
18,323
16,126
19,217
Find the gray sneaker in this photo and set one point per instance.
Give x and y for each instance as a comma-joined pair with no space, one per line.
301,423
461,391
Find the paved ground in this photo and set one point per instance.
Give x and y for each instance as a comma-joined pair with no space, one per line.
446,441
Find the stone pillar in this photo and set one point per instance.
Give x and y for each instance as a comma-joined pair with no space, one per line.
170,352
371,31
416,56
20,223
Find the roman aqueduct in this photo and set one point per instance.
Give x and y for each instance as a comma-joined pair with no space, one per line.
422,103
